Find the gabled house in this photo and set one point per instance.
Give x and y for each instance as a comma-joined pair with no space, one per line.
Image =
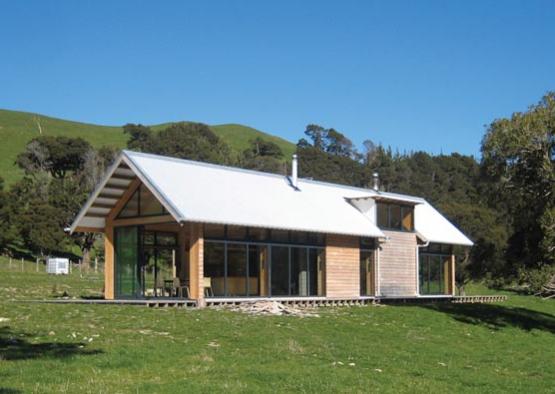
179,228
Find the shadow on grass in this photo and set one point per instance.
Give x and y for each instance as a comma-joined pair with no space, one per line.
497,316
5,390
16,346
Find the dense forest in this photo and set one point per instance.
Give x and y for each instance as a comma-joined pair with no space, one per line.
505,201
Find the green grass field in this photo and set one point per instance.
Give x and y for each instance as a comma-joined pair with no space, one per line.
18,128
506,347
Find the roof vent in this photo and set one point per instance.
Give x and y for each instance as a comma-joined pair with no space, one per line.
376,179
294,171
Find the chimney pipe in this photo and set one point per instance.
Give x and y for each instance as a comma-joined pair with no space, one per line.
294,171
376,179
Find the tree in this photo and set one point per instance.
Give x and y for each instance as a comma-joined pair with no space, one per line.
264,156
518,162
194,141
55,155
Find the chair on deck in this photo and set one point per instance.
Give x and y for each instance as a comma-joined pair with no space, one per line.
159,287
207,284
180,288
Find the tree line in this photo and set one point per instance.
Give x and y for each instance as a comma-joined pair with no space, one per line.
505,201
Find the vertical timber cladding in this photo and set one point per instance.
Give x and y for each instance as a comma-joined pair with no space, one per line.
109,261
397,264
196,262
342,266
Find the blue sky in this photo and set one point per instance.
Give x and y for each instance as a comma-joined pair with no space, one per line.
416,75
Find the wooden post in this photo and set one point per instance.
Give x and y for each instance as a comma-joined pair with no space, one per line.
37,266
109,261
10,266
80,269
70,266
452,281
196,263
22,264
96,264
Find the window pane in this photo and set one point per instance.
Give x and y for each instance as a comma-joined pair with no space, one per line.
280,270
149,204
127,261
257,265
131,208
316,272
395,218
214,231
214,258
236,270
299,272
166,239
407,218
382,215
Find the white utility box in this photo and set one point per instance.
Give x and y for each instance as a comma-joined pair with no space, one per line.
57,265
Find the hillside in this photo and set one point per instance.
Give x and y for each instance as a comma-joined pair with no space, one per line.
18,128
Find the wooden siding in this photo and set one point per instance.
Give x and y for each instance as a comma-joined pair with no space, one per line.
397,264
196,263
109,261
342,266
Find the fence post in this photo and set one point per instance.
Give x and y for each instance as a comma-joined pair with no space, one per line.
10,263
70,268
80,269
37,267
22,264
95,265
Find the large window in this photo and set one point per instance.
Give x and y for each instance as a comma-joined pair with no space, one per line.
434,262
142,203
392,216
240,261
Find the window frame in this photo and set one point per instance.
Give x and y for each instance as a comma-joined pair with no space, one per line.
402,209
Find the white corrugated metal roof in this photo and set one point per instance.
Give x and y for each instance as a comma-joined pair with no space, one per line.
209,193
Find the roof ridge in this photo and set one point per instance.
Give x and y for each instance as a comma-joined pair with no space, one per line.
205,164
261,173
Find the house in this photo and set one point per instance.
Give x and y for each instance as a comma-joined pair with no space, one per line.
179,228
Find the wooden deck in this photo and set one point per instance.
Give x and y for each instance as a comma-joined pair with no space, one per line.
151,303
299,301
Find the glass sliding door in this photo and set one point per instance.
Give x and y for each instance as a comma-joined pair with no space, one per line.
236,280
250,262
127,284
299,271
316,272
431,274
280,271
214,266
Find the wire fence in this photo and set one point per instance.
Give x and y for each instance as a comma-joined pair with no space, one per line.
76,266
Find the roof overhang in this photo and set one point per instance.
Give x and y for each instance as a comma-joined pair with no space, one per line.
118,178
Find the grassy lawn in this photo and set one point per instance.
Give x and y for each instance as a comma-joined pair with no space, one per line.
507,347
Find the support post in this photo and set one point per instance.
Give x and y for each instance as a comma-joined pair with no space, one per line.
452,278
109,261
196,263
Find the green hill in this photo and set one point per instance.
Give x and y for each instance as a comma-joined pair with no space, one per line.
18,128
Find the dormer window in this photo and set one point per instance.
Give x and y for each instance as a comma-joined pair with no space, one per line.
393,216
